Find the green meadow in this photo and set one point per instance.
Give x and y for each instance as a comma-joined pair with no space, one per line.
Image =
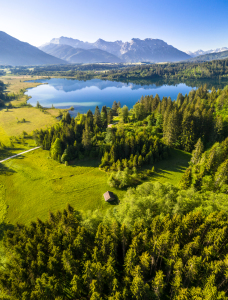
33,184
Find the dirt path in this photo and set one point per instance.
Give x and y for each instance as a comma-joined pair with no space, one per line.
19,154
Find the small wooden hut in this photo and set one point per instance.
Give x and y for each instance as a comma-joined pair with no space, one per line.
109,196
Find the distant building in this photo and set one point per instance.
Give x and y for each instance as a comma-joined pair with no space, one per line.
109,196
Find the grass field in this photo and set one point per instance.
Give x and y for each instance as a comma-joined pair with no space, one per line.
35,118
33,184
172,169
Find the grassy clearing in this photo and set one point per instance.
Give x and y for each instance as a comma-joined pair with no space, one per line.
32,185
172,169
35,119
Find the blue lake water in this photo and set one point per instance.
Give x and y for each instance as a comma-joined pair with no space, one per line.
85,95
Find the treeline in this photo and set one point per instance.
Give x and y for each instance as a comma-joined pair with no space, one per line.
75,137
1,87
208,171
88,136
5,98
2,95
71,256
200,114
183,70
71,70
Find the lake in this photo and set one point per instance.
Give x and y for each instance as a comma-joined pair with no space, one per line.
85,95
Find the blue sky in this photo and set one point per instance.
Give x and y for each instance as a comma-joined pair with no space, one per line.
185,24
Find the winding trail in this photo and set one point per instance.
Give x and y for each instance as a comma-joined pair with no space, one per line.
19,154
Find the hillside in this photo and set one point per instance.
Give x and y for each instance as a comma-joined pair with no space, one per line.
151,50
78,55
202,52
16,53
210,56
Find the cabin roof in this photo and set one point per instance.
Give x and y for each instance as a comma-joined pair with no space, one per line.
109,196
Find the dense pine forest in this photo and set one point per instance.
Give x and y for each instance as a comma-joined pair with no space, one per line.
74,257
194,70
161,241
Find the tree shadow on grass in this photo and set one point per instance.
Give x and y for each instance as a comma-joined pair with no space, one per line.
5,153
177,162
3,228
86,162
162,173
19,122
4,170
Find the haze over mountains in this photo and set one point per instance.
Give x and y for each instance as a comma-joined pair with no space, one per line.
79,55
65,50
148,50
16,53
201,52
210,56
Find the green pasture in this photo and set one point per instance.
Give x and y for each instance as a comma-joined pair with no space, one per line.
33,184
171,169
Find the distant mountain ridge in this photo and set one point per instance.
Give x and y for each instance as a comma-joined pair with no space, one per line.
78,55
16,53
210,56
150,50
201,52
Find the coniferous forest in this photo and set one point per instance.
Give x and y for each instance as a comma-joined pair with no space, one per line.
162,241
71,257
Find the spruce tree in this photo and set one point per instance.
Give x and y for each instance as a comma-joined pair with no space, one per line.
186,179
196,154
104,116
97,117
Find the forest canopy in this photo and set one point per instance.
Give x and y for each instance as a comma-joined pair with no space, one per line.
71,256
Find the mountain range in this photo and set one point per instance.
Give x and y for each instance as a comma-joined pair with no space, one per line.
210,56
148,50
65,50
201,52
79,55
16,53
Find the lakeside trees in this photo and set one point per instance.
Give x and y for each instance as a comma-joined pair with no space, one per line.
200,114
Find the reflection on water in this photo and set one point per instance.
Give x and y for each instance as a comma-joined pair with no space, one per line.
84,95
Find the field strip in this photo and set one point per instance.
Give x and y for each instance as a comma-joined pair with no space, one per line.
19,154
